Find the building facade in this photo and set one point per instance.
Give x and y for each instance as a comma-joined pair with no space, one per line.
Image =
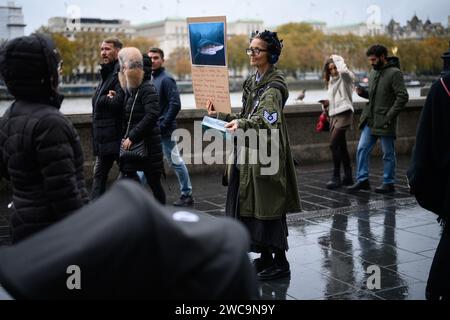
70,27
359,29
11,21
172,33
416,29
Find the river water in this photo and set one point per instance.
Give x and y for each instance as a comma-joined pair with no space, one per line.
83,105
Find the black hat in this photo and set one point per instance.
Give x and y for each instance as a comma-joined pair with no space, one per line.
29,66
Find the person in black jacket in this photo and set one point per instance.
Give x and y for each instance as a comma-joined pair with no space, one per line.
429,178
170,105
107,115
40,150
135,79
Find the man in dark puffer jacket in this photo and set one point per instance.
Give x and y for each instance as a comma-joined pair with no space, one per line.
107,113
40,151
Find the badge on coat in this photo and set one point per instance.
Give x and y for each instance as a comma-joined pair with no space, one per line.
271,117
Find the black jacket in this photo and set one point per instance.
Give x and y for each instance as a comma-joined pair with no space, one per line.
144,125
429,172
107,113
40,153
169,101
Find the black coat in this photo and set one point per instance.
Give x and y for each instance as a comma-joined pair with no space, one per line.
107,113
429,172
144,125
40,153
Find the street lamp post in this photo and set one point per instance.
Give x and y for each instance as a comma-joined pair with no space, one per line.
446,58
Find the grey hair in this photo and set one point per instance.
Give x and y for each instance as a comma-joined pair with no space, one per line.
131,57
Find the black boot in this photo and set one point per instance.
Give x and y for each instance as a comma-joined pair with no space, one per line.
360,185
334,183
264,262
279,269
385,188
348,177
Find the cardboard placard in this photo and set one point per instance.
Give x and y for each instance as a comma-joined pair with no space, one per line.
208,49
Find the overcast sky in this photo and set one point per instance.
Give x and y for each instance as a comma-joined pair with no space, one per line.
272,12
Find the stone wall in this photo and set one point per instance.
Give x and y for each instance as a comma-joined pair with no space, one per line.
307,145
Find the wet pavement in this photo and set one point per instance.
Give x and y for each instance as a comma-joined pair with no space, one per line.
337,237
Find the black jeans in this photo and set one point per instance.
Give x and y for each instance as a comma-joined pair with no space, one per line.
153,181
339,152
101,171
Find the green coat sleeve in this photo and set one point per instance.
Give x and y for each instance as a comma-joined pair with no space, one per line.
227,116
401,94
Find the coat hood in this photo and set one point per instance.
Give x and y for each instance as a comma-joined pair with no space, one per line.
392,62
29,66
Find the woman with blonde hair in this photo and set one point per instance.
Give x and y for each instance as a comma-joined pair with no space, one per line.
141,114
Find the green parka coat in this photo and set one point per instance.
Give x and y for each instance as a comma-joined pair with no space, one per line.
266,197
387,98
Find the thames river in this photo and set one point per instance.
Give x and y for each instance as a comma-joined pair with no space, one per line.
83,105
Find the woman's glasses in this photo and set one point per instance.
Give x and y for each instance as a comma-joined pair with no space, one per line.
255,51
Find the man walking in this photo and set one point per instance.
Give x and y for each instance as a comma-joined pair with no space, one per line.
107,113
170,105
387,96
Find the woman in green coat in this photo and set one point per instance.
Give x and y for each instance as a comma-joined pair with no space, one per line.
258,197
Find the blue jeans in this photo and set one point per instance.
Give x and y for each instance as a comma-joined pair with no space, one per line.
175,160
366,144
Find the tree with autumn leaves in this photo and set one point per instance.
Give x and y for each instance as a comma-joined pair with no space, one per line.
82,55
306,49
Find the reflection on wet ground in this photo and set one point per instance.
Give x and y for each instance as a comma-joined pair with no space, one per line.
337,237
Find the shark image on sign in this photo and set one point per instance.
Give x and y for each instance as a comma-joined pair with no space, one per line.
209,47
207,43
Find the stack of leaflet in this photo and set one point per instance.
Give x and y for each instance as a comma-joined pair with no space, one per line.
209,123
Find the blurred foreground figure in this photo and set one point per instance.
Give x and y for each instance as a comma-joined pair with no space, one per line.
127,246
40,150
429,179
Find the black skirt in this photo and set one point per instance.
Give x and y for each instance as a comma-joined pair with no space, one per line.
265,234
